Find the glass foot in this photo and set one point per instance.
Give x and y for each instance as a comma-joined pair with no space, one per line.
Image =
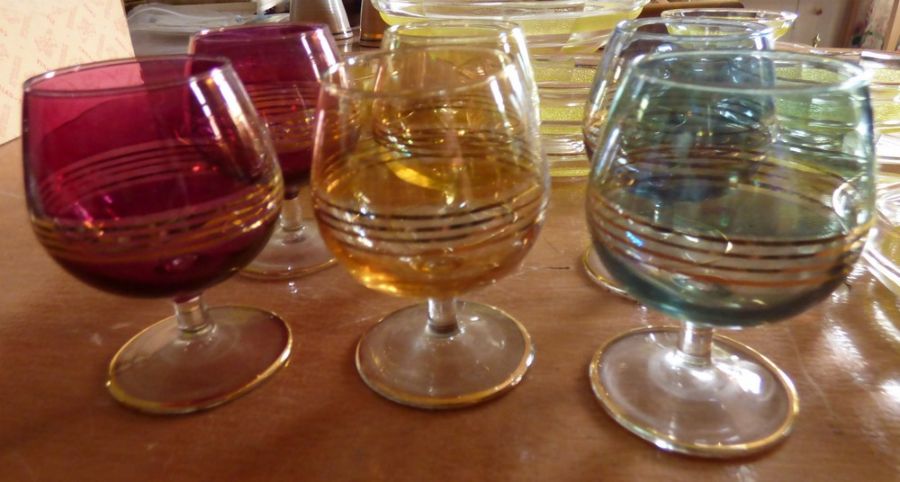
739,405
598,273
164,370
291,254
402,360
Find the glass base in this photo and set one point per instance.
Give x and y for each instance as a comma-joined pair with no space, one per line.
163,370
290,254
402,360
597,272
739,405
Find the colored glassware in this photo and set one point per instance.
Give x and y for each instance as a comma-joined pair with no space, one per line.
154,178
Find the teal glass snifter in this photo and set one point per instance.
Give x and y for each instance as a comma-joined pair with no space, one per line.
730,188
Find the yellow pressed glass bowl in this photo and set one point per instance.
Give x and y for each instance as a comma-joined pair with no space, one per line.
551,26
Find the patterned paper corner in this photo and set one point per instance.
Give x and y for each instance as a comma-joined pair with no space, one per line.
39,36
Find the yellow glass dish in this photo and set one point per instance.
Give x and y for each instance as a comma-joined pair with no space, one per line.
551,26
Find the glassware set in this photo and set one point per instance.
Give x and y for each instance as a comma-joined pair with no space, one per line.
729,186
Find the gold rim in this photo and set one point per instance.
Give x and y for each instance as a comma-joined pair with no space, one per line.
669,443
152,407
601,280
460,401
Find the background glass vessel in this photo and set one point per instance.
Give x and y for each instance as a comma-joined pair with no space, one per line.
154,178
733,188
280,66
429,182
643,36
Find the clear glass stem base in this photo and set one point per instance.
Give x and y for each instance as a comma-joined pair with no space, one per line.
597,272
291,254
169,368
722,399
435,365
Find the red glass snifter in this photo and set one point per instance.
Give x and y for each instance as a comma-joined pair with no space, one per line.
280,66
153,178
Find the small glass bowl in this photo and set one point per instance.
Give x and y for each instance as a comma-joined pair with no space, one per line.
884,90
781,22
551,26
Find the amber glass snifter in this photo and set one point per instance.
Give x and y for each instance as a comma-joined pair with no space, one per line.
428,182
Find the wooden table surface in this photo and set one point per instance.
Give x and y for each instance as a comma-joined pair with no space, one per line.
316,420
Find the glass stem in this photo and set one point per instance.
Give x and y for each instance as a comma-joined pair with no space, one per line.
442,316
192,315
695,344
291,218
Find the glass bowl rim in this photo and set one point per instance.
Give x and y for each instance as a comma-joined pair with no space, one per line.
857,77
335,88
762,14
32,86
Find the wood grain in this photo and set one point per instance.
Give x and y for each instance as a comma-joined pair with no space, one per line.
316,420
